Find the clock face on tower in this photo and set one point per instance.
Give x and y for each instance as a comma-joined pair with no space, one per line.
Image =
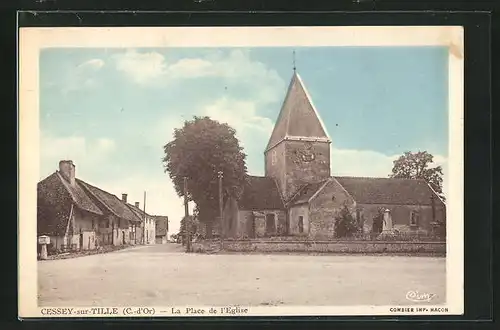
307,153
307,157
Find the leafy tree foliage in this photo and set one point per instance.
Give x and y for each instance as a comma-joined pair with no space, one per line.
199,150
345,224
417,166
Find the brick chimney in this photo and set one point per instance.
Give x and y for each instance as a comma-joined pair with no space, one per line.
124,198
67,170
137,204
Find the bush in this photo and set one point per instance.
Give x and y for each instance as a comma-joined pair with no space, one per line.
345,224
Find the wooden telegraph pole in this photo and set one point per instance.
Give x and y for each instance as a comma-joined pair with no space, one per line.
221,234
187,224
144,221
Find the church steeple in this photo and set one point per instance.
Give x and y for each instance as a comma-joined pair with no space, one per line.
298,117
298,151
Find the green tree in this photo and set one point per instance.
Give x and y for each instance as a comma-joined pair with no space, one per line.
199,150
417,166
345,224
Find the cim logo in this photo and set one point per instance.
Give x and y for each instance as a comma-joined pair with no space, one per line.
416,296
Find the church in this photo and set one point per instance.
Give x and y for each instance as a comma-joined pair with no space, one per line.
298,196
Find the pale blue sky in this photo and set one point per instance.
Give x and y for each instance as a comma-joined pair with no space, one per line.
111,110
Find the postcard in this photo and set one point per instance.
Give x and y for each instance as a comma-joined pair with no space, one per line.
241,171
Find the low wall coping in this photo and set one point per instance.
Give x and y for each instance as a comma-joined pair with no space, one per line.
335,242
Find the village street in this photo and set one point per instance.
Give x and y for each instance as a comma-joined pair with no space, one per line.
163,275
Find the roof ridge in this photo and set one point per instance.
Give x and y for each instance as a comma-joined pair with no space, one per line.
107,192
94,186
133,207
373,177
65,184
280,114
279,192
105,203
85,184
287,123
69,190
309,99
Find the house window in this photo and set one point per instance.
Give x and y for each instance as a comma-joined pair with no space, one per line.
273,157
301,224
414,218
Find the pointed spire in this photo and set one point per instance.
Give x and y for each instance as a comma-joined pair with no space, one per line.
298,118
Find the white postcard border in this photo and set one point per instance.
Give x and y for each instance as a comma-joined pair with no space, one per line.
32,40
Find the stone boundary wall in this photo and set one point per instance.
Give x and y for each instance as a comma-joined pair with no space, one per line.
335,246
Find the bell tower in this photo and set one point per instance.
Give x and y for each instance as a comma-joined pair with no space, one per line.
298,150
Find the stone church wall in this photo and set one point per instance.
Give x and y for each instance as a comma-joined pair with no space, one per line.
300,171
285,164
275,164
253,224
296,212
325,207
401,216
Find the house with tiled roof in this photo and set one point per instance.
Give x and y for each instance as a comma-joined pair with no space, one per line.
79,216
147,232
299,196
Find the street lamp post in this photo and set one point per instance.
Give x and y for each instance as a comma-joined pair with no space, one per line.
220,175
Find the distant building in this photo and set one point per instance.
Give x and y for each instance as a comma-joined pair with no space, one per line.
147,232
79,216
161,231
299,197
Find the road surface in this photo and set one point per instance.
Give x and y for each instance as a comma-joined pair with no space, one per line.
163,275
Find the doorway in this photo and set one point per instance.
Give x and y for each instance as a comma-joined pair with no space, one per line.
270,224
252,227
81,241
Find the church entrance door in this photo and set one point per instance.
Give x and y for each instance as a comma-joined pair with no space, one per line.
270,224
252,227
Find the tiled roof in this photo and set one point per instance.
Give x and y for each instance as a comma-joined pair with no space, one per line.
53,206
298,116
54,199
260,193
111,202
306,192
161,225
137,211
78,195
388,191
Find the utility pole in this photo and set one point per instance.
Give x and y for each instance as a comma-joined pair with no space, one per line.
187,225
144,221
221,234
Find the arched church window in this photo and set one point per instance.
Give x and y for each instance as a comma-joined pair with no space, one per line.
273,157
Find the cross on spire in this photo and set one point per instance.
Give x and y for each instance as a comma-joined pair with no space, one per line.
294,67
